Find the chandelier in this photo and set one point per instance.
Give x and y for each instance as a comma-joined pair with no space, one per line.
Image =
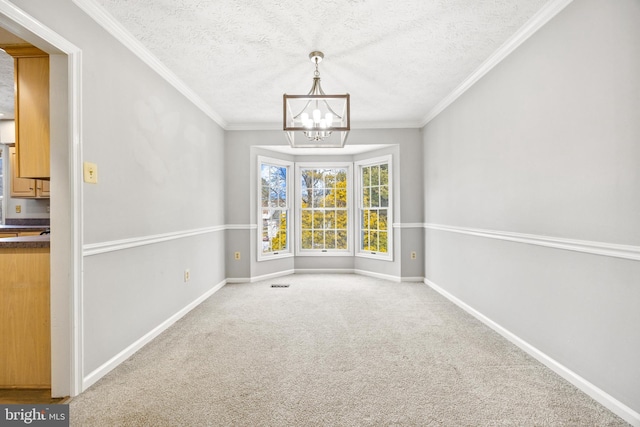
323,120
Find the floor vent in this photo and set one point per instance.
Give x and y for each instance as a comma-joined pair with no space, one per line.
279,286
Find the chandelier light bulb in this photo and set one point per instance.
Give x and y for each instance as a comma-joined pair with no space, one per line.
316,116
329,118
304,117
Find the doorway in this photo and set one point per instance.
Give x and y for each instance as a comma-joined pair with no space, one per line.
65,204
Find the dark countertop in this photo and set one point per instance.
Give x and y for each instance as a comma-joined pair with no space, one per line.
19,228
25,242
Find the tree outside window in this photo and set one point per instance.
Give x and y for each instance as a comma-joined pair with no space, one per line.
374,207
274,208
324,215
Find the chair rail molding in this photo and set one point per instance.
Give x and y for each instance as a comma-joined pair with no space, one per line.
595,248
134,242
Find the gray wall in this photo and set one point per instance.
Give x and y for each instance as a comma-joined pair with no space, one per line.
160,168
242,149
547,144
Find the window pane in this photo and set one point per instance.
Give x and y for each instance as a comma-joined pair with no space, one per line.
382,219
366,197
373,220
373,236
341,242
341,219
326,190
330,239
306,220
330,219
375,197
374,208
318,219
318,239
330,199
274,200
375,175
384,196
307,239
383,242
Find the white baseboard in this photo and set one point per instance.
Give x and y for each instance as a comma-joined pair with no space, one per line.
108,366
599,395
324,271
272,275
378,275
413,279
239,280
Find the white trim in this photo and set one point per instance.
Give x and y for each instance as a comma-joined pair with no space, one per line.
283,273
585,246
267,126
109,365
113,27
543,16
118,245
260,278
582,384
241,226
271,276
408,225
324,271
378,275
413,279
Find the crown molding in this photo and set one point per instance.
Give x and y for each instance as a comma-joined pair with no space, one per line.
357,125
108,22
543,16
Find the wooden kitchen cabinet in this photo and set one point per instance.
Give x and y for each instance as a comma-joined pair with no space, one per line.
31,111
25,326
26,187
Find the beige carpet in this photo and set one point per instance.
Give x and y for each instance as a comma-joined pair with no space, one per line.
333,350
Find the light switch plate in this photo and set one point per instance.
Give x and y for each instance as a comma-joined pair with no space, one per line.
90,173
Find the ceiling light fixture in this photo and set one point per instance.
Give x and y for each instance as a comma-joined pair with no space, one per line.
316,115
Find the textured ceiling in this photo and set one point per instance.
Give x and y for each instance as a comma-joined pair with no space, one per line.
397,59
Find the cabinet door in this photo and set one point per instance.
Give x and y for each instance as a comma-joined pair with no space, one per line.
42,189
20,187
32,116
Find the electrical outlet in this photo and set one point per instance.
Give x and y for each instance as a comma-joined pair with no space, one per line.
187,275
236,256
18,208
414,255
48,209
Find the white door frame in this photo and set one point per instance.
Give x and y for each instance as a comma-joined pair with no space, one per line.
66,203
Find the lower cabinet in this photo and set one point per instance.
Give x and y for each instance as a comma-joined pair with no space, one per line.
25,326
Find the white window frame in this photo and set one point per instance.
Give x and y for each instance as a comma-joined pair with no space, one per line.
264,256
358,208
298,209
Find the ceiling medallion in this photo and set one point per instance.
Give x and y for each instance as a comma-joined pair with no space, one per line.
324,120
